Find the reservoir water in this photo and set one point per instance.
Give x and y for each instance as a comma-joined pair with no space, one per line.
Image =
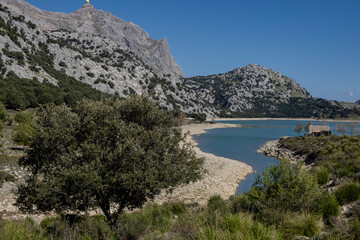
242,143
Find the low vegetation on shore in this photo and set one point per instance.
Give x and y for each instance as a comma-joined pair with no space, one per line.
288,201
285,203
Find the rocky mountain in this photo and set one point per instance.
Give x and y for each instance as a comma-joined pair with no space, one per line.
242,88
88,20
358,101
34,48
58,57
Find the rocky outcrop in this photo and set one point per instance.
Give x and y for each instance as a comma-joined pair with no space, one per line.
273,149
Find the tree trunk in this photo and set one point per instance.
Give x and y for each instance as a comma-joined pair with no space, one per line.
105,207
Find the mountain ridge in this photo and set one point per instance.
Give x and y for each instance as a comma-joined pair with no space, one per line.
88,19
250,82
52,48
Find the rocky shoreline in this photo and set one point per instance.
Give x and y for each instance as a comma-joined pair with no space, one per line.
272,149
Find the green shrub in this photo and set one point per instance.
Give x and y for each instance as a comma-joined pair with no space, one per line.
237,226
24,134
1,125
285,187
111,84
23,117
240,203
24,230
62,64
329,205
348,192
270,216
355,229
90,74
322,176
304,224
177,208
201,117
152,218
217,204
76,227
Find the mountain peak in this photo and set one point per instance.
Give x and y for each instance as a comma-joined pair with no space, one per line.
86,8
250,68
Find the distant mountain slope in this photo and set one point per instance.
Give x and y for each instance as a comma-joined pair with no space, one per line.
358,101
58,57
242,88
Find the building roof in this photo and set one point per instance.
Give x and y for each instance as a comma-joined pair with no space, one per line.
315,129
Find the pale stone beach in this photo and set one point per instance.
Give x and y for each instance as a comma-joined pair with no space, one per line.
222,177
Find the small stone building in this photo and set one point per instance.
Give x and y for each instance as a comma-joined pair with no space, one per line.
319,130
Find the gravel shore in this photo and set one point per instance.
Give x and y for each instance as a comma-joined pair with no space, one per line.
222,177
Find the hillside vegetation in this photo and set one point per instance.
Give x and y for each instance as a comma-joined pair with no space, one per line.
286,202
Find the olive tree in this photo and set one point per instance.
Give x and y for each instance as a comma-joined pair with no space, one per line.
109,155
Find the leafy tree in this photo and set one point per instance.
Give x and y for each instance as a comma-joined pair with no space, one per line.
110,155
298,128
201,117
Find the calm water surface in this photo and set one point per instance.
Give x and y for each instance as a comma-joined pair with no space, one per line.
242,143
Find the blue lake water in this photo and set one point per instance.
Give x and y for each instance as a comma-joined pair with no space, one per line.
242,143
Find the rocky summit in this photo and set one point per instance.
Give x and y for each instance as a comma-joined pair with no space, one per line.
243,88
95,48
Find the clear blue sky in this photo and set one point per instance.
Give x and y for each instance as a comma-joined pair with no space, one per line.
316,42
